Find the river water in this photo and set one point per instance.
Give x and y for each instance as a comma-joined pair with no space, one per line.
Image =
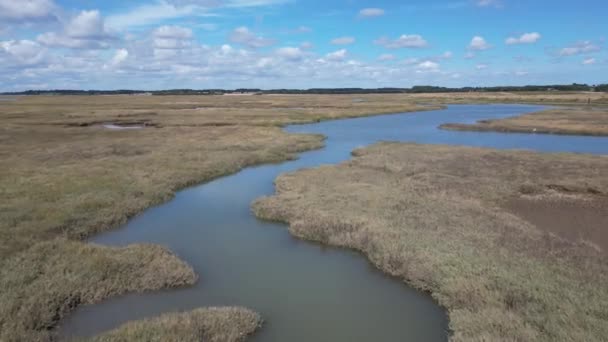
304,291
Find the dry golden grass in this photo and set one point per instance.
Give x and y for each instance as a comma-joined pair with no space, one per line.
65,177
577,121
209,325
438,218
553,97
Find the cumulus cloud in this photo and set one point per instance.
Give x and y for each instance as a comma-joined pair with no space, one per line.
27,10
526,38
343,41
478,43
481,66
171,37
85,30
579,48
428,66
242,35
589,61
290,53
339,55
120,57
371,12
413,41
24,52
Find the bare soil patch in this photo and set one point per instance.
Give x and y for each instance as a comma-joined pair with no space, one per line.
582,219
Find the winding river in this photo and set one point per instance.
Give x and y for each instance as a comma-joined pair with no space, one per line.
304,291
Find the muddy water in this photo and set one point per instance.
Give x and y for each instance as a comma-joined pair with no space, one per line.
304,291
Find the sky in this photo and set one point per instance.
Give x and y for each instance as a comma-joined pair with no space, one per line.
202,44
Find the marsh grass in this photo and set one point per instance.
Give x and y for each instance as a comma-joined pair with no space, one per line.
573,121
42,284
435,217
209,325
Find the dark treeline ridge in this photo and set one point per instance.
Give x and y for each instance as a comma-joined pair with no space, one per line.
412,90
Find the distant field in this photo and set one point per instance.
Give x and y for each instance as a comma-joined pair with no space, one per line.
494,236
572,120
551,97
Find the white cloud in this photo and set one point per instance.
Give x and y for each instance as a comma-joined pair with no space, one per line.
84,31
428,66
242,35
339,55
478,43
25,52
447,55
481,66
87,24
579,48
25,10
521,73
171,38
120,57
290,53
371,12
173,32
526,38
150,14
343,41
162,10
386,57
412,41
589,61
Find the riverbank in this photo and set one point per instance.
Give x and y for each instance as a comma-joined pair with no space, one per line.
69,177
591,121
442,219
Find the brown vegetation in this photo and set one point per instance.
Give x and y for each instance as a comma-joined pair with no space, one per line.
577,121
209,325
65,177
547,98
40,285
441,219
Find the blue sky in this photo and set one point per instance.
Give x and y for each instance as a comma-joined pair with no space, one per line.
156,44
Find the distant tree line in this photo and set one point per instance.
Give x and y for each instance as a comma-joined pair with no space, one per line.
412,90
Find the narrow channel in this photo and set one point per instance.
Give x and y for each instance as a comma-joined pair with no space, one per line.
304,291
